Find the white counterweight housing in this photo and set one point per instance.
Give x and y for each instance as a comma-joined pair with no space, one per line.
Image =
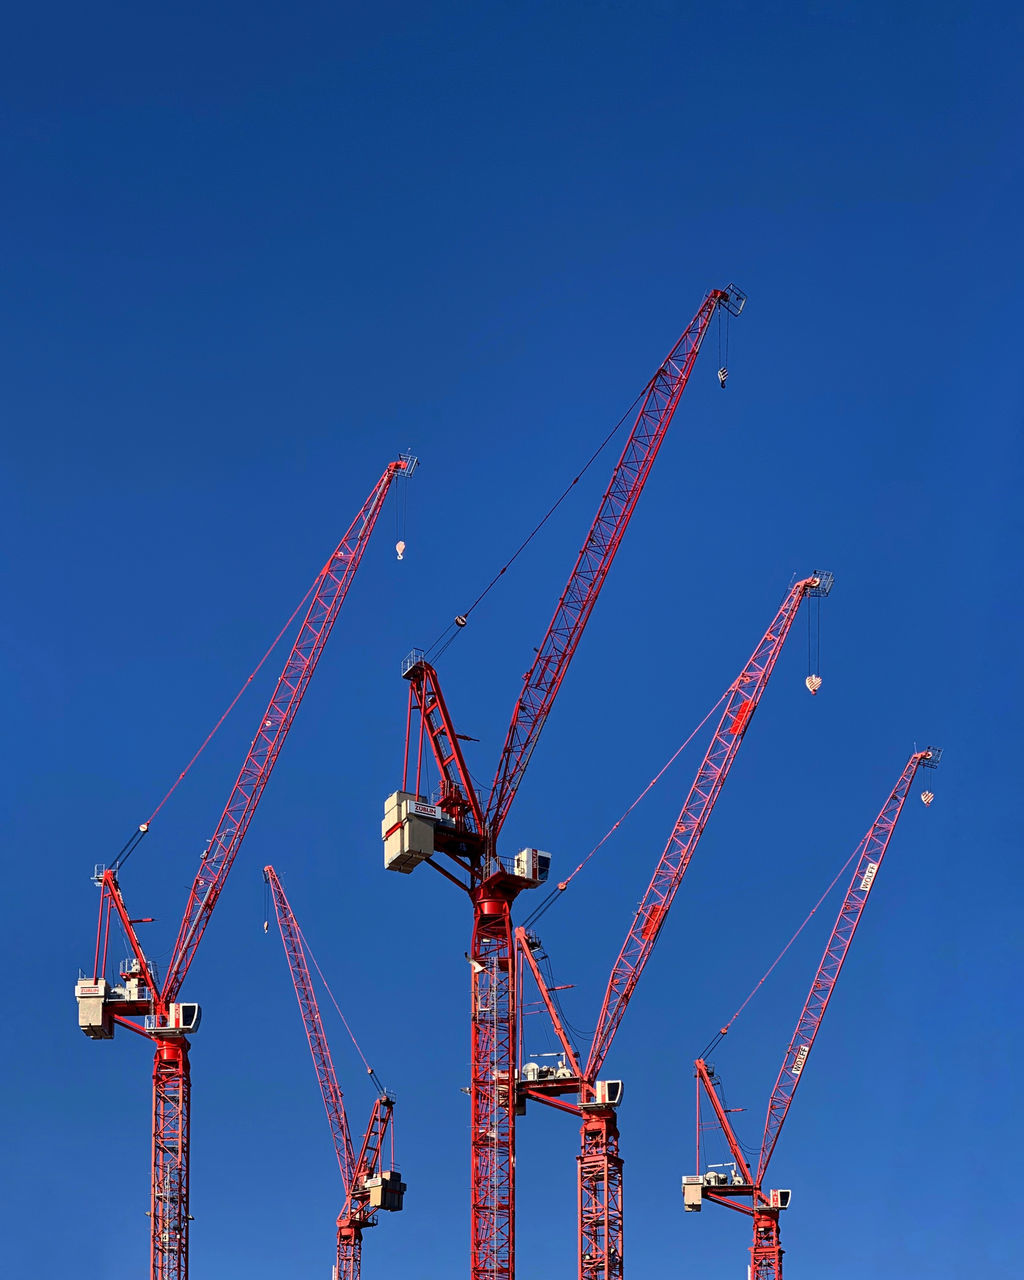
94,1018
386,1191
407,831
693,1192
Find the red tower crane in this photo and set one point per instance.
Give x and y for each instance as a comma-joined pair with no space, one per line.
102,1006
466,832
747,1184
369,1187
599,1165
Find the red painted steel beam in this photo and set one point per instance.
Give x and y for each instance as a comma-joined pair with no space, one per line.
743,699
458,795
872,851
705,1082
331,588
542,681
357,1212
171,1091
323,1064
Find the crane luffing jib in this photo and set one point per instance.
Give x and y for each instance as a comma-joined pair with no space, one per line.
541,682
329,595
743,697
330,1090
871,852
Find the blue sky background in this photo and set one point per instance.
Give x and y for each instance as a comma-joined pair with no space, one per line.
251,253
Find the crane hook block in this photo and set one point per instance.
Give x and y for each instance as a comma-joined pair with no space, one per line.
813,683
927,797
723,373
400,548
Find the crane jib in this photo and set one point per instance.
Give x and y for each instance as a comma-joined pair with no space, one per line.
577,601
332,587
744,697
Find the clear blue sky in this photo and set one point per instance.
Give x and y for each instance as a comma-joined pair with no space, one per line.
252,251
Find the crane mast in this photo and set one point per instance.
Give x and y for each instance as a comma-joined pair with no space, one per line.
466,832
368,1187
599,1165
766,1251
166,1021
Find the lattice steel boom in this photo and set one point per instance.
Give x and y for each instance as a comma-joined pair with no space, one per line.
542,681
747,1184
599,1165
166,1021
466,832
744,696
368,1187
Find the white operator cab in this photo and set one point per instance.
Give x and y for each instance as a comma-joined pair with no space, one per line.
607,1093
180,1020
533,865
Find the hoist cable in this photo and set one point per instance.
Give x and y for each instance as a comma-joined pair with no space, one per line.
327,987
444,639
716,1040
564,884
231,706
